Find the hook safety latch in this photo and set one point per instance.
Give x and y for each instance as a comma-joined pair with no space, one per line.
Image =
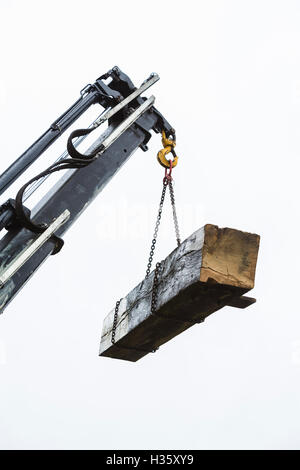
169,146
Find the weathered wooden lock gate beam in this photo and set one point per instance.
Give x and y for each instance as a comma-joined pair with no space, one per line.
212,268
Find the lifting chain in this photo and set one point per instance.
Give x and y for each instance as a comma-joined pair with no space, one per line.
113,332
167,182
157,273
172,197
157,223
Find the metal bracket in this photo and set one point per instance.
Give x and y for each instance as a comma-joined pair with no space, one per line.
16,264
112,111
126,124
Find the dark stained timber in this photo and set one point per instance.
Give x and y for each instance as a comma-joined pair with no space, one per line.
212,268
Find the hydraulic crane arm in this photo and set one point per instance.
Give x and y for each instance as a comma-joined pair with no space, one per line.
130,117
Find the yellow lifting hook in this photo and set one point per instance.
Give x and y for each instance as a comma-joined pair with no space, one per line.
169,146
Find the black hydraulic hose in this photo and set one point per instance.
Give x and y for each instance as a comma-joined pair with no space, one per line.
37,148
22,215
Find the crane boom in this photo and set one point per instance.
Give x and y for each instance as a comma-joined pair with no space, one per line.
129,127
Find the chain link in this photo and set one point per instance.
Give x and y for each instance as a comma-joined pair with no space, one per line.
153,305
155,286
172,196
113,333
167,181
153,243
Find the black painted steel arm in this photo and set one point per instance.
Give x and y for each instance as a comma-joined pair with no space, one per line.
128,129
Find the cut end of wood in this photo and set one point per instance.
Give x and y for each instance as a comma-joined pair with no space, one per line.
229,257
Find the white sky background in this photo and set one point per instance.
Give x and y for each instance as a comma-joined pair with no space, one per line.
230,85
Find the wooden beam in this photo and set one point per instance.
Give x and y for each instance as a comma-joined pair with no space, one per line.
212,268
